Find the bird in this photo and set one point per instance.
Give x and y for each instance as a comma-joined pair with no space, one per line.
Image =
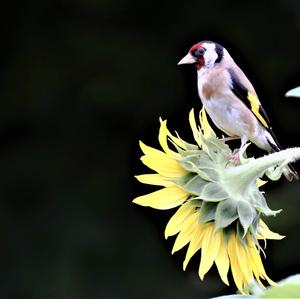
230,99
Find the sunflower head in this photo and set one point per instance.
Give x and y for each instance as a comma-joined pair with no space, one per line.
220,204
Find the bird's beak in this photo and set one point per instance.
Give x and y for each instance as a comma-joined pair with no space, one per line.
187,59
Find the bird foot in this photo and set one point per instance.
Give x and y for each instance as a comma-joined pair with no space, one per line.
234,158
225,139
239,156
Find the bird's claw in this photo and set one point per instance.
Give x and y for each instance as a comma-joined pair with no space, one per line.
225,139
234,159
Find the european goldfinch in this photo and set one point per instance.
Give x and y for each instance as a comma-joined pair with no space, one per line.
230,99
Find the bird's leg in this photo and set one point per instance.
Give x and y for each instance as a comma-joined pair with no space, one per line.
235,158
225,139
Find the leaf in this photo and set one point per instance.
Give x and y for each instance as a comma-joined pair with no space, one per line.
213,192
236,296
226,213
246,214
295,92
207,211
287,288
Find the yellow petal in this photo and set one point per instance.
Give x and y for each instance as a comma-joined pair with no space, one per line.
222,261
186,233
194,127
210,249
266,233
235,267
163,199
255,270
260,182
176,140
270,281
163,140
243,256
207,130
161,162
254,254
154,179
195,244
176,222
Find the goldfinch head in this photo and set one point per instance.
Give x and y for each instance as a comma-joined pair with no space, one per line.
205,53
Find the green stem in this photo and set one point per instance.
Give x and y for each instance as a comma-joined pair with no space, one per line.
255,168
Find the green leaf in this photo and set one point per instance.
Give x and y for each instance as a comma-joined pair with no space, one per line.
246,214
295,92
213,192
207,211
236,296
287,288
226,213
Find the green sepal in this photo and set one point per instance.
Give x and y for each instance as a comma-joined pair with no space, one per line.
240,233
195,185
187,153
226,213
246,214
181,181
253,228
200,163
260,205
274,173
207,211
213,192
217,150
189,146
196,202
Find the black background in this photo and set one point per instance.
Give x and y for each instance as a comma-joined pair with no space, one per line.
80,83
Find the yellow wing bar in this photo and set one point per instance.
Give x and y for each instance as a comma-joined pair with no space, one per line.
257,109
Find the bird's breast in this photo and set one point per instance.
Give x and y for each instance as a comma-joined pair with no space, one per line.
213,84
227,112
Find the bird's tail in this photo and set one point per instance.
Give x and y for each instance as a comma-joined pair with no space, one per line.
288,171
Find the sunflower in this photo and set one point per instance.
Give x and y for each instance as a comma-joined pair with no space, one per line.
220,204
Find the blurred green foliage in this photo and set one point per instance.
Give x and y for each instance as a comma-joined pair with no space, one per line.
287,288
295,92
80,83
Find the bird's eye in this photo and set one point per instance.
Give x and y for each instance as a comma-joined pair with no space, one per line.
199,53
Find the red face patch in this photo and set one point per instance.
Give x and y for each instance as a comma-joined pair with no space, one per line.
200,60
195,47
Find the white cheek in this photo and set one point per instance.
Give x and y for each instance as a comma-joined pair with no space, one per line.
210,57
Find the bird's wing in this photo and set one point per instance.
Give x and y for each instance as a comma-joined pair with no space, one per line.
243,89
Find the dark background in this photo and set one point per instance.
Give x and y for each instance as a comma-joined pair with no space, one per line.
80,83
